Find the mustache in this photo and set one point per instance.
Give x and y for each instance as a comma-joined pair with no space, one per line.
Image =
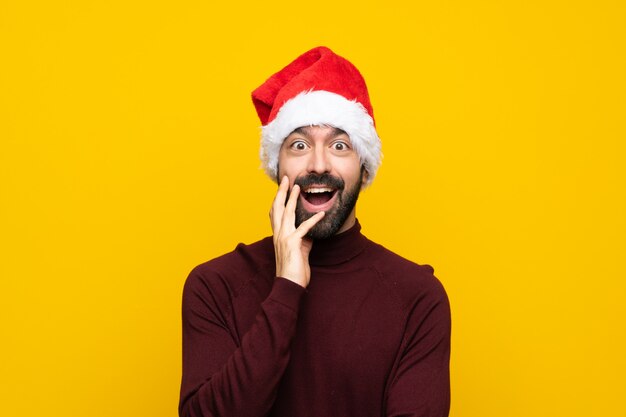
320,179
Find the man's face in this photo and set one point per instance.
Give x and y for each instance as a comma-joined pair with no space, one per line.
322,161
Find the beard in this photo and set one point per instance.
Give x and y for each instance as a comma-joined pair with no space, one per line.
336,216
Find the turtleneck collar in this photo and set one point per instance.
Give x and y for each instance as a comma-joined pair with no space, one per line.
338,248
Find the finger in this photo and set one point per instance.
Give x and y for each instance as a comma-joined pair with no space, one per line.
289,215
278,206
308,224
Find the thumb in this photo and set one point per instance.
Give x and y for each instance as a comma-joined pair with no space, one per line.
307,245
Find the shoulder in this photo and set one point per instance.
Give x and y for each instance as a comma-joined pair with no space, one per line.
231,271
409,280
420,296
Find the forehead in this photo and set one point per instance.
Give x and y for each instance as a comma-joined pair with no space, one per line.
326,131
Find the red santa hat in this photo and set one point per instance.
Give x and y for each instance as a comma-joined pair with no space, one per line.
317,88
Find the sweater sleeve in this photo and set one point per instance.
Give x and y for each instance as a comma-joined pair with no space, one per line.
222,377
420,384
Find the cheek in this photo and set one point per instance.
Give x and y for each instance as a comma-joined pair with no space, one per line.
285,172
291,167
350,170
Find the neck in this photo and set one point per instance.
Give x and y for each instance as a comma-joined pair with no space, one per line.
338,248
350,221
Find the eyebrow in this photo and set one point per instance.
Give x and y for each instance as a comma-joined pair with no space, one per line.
306,131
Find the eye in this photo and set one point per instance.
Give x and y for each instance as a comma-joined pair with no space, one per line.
298,145
340,146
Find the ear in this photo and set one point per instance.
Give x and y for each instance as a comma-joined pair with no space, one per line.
277,173
364,175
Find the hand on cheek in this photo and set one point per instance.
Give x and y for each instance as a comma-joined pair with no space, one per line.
291,246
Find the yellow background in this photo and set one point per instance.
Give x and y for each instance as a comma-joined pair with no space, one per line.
128,154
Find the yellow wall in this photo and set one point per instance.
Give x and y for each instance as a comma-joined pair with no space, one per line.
128,154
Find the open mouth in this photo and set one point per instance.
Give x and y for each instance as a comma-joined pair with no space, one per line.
318,198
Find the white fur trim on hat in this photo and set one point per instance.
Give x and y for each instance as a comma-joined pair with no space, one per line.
310,108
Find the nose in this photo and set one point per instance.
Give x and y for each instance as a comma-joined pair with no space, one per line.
318,162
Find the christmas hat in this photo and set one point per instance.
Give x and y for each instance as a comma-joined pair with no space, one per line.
317,88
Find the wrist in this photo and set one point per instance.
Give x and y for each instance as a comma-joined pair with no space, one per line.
287,293
292,277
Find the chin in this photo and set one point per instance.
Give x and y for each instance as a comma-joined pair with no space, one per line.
327,227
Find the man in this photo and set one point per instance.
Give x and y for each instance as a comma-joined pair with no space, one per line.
316,320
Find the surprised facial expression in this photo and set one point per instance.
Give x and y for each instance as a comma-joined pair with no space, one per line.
322,161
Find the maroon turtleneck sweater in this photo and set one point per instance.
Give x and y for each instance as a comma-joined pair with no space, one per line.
370,336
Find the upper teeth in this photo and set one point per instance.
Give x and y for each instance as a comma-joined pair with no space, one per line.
319,190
